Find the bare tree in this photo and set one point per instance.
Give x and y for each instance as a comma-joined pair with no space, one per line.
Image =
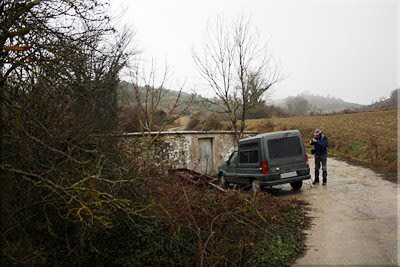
237,67
152,99
154,108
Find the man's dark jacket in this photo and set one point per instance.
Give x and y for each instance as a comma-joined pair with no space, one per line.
321,146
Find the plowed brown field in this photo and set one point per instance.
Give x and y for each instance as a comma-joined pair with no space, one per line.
366,137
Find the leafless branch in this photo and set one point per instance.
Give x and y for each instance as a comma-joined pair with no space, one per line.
236,66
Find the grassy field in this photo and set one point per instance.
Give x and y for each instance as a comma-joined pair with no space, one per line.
367,137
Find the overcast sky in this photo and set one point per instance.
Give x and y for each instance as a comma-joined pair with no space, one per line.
345,48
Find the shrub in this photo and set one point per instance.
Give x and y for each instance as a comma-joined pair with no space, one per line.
213,122
207,227
201,123
262,111
194,123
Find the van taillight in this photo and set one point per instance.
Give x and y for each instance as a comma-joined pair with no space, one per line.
306,158
264,167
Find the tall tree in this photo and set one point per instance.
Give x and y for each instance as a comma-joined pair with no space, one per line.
237,67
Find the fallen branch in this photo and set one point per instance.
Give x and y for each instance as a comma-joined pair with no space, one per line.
216,186
197,178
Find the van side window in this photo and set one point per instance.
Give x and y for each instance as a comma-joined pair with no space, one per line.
249,145
244,157
249,153
253,156
233,158
248,156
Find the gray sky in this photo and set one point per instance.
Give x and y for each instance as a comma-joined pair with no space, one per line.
346,48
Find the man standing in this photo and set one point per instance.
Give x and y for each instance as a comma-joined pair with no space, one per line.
320,143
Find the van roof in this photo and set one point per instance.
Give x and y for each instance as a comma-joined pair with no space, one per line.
271,135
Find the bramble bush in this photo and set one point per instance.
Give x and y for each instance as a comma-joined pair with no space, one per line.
70,193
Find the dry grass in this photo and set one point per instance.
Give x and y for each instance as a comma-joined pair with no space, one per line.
367,137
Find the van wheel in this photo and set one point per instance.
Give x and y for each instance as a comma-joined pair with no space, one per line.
255,186
296,185
222,181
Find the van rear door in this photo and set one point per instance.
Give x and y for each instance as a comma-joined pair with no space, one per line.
286,154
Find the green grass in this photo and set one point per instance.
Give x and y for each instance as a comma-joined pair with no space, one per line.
285,245
357,147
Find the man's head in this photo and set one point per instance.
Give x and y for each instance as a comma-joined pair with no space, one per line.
317,133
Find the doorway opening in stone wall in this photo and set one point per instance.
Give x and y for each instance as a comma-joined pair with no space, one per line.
206,155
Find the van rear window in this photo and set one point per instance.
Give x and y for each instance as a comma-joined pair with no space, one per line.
284,147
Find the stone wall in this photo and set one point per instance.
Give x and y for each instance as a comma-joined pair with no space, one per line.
181,149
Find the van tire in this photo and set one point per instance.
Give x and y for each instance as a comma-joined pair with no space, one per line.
296,185
255,186
224,184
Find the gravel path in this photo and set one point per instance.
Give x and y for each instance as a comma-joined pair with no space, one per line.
355,217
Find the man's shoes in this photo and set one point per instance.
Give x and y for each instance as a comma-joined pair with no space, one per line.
324,183
315,182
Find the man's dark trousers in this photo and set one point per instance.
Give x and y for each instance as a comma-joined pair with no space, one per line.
321,160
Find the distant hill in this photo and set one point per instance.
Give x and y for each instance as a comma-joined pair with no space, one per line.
316,103
320,104
380,105
385,103
126,96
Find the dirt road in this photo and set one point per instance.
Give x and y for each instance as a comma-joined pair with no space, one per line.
355,217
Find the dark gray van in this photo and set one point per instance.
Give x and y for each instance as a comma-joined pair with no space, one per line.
266,160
